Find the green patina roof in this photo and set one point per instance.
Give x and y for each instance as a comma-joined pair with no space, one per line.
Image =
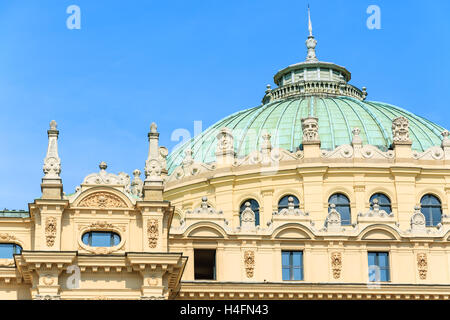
337,117
14,214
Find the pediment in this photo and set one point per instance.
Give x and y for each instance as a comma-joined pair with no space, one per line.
292,233
205,232
378,234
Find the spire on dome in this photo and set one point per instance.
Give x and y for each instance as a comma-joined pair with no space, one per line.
311,42
309,22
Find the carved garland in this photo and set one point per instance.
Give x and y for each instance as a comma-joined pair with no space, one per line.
102,200
249,260
152,232
50,231
422,265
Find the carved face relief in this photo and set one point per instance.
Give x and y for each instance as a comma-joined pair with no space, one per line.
310,129
400,129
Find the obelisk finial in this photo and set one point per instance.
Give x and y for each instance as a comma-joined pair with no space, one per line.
311,42
309,22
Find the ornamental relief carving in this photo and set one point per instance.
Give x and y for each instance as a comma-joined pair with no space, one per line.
336,264
50,231
422,265
7,262
249,261
5,237
102,200
152,232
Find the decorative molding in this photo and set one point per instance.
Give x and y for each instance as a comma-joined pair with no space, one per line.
204,208
372,152
50,231
152,232
248,218
418,222
6,237
249,261
432,153
189,167
342,151
103,177
102,200
333,220
422,265
290,210
102,225
336,264
375,211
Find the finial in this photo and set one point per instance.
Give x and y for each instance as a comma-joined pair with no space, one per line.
204,204
52,162
53,125
309,22
155,163
311,42
103,165
153,127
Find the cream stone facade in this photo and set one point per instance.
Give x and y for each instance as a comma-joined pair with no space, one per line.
226,228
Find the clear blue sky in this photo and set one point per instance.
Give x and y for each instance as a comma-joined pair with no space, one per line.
174,62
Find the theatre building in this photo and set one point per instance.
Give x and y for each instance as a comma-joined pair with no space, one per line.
316,193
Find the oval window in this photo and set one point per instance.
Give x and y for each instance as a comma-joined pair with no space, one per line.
8,250
101,239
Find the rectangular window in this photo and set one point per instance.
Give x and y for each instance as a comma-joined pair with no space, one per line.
204,264
378,266
292,265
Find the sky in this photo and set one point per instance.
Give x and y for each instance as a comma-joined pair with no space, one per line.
176,62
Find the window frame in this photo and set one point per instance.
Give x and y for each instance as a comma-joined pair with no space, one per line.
92,232
429,221
339,205
291,267
382,268
16,249
214,266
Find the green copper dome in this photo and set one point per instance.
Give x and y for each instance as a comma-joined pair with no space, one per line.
310,88
337,116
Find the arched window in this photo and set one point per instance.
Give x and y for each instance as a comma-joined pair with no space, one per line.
342,206
383,201
254,205
284,202
431,208
101,239
8,250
